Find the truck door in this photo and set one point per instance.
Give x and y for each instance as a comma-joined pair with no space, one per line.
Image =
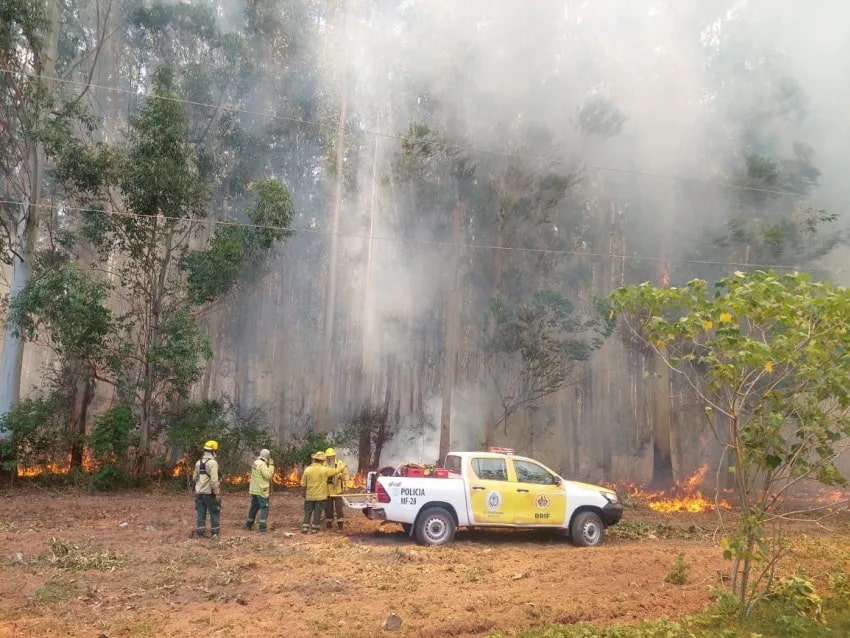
541,495
490,497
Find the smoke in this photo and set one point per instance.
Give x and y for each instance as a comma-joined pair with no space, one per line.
697,84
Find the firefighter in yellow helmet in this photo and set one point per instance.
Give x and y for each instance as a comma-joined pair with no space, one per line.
314,487
207,492
334,510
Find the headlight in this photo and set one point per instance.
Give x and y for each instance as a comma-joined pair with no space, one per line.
611,497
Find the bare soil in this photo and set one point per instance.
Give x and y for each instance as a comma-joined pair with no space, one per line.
147,578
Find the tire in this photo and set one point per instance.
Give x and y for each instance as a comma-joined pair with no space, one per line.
407,527
587,530
435,526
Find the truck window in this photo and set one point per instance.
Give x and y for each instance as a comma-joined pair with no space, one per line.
490,469
453,463
528,472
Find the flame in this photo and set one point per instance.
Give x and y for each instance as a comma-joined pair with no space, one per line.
292,478
357,481
665,277
685,496
53,468
181,468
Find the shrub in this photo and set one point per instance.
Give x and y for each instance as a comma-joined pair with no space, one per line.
38,429
237,431
678,574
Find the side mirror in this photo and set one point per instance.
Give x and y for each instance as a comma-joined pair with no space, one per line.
556,480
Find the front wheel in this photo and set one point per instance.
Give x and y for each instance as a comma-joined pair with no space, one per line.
587,530
435,526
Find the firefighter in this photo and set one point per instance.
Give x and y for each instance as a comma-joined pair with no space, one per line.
334,510
207,492
260,490
314,488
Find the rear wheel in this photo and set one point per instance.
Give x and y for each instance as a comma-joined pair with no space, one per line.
587,530
435,526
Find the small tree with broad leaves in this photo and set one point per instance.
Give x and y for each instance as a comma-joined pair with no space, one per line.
769,357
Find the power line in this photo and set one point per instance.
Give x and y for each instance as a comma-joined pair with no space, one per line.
720,184
418,242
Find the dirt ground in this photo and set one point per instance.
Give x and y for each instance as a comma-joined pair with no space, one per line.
147,578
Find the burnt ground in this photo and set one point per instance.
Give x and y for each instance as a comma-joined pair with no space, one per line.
123,565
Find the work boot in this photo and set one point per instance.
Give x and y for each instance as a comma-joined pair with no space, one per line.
214,537
263,528
339,524
305,528
315,529
249,526
328,524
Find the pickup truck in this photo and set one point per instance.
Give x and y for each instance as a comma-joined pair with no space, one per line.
489,489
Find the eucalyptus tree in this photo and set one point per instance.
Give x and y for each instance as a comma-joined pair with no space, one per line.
47,57
161,279
439,183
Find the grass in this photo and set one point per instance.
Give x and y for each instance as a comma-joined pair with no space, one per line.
631,530
52,593
66,555
789,613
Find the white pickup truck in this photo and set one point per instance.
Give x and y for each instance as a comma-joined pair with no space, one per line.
490,489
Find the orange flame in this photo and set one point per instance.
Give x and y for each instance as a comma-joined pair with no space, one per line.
685,496
357,481
54,469
292,478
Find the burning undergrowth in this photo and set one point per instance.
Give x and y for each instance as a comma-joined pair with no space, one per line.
685,496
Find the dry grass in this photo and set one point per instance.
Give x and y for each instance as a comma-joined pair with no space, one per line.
66,555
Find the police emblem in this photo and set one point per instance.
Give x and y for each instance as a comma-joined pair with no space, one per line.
542,501
494,501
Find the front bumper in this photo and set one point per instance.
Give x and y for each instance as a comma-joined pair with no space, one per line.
611,514
375,514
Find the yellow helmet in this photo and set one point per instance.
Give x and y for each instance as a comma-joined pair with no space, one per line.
330,452
211,446
318,456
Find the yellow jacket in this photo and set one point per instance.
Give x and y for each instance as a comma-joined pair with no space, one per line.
339,481
261,475
206,482
314,480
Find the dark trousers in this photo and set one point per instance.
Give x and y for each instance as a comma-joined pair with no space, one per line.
312,509
258,504
206,503
334,511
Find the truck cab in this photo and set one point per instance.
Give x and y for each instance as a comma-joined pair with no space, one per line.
496,488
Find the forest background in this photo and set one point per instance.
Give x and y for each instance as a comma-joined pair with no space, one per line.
394,224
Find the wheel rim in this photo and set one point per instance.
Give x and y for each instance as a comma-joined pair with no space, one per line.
436,529
590,533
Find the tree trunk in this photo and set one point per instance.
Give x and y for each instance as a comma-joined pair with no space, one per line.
82,393
662,464
11,362
330,289
26,229
451,333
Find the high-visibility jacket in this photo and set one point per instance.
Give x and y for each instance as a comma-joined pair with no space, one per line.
338,482
314,480
206,475
261,476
